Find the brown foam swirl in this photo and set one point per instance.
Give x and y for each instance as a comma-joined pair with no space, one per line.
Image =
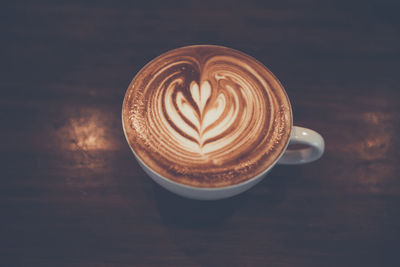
206,116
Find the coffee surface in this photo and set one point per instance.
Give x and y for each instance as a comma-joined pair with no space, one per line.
206,116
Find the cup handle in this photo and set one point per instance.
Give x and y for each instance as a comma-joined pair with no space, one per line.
314,150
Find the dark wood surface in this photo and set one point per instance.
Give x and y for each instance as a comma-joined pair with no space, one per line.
72,194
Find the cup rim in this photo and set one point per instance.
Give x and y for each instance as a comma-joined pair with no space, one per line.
237,185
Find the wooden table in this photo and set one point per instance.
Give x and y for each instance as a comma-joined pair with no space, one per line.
72,194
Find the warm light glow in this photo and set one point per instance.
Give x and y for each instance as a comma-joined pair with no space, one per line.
377,138
373,151
87,129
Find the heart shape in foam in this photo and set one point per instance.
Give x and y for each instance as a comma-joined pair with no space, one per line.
211,117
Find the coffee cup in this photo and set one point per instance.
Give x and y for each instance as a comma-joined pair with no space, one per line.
209,122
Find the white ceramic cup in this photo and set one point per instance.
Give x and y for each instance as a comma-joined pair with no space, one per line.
299,135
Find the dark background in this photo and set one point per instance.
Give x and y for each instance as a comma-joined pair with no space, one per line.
72,194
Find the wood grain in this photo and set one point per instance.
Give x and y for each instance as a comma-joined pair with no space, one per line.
72,194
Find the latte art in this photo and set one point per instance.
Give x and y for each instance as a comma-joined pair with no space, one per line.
199,123
206,116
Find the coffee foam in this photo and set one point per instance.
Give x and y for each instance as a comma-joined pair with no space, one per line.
206,116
